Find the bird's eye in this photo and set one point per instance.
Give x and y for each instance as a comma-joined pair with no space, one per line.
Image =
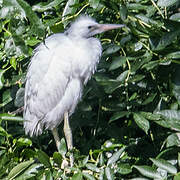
89,27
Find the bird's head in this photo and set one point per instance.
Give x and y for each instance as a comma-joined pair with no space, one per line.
86,27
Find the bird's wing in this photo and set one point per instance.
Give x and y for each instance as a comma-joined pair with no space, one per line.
47,78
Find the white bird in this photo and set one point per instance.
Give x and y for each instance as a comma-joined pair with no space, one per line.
57,72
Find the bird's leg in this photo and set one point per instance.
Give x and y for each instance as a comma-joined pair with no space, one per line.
56,138
68,136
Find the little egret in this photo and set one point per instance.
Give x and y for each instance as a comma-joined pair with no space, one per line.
59,68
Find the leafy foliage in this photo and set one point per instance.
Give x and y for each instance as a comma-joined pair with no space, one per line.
128,122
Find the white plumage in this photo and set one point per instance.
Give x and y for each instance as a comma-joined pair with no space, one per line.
55,77
57,72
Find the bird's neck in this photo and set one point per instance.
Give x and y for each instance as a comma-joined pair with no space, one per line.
77,37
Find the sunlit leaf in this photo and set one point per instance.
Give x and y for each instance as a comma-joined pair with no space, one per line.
44,158
141,122
57,158
115,157
88,176
32,171
41,7
1,78
109,174
161,163
6,98
94,3
77,176
148,171
69,8
19,100
92,167
117,62
10,117
111,49
166,3
124,168
172,140
36,25
19,169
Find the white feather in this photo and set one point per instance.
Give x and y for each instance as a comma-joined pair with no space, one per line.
56,75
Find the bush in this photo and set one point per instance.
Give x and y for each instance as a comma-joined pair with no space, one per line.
127,124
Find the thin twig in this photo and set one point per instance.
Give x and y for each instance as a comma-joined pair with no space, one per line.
154,4
75,15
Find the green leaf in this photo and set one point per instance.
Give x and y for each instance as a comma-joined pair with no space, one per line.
148,171
124,168
171,117
101,175
122,77
178,159
111,85
164,41
85,160
57,157
118,115
175,17
140,61
6,98
142,122
19,169
32,42
48,175
24,142
173,55
70,8
41,7
32,171
63,147
140,178
19,100
176,84
136,6
115,157
136,78
77,176
1,78
177,176
101,159
150,65
20,46
36,24
117,62
123,12
92,167
10,117
13,62
109,174
150,116
163,164
172,140
44,158
88,176
113,48
11,7
3,132
167,3
94,3
148,20
149,99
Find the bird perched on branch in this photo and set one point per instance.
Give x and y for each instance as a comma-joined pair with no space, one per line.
57,72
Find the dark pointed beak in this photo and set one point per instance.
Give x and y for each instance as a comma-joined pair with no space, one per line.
107,27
